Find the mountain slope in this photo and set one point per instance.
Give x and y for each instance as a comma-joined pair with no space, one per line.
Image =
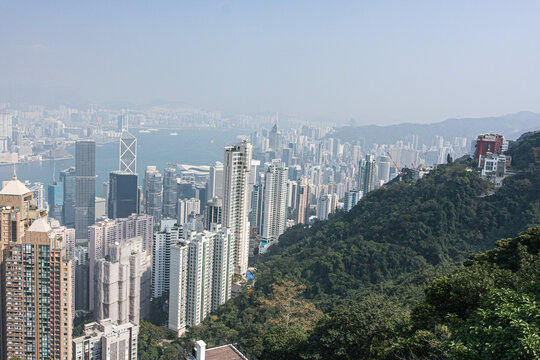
511,126
381,253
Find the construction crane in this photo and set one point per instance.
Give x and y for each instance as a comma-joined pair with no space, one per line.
400,172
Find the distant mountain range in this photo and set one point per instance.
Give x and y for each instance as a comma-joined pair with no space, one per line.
510,126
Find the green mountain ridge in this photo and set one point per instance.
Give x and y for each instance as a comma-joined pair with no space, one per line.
369,267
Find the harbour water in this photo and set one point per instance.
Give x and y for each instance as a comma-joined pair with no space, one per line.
159,148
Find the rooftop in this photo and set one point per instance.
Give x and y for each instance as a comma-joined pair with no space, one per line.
226,352
40,225
15,187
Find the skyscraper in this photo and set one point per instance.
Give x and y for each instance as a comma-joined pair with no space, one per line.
237,167
200,276
85,182
275,201
123,199
55,199
323,207
123,283
216,181
187,207
104,234
153,192
161,255
13,197
302,201
170,196
37,297
351,199
6,131
68,179
366,175
128,152
383,166
213,212
255,215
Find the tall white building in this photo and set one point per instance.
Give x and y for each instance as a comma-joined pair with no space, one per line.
187,207
200,271
275,201
236,201
351,199
200,276
178,287
6,131
168,235
327,204
215,181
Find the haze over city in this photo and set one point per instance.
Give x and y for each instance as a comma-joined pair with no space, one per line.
248,180
378,62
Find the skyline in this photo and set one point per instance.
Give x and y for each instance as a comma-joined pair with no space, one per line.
379,63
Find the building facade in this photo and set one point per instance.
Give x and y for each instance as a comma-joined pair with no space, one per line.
275,202
85,184
123,198
237,166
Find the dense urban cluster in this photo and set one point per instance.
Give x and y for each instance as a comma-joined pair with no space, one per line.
185,234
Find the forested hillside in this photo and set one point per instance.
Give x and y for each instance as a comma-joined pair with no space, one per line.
351,280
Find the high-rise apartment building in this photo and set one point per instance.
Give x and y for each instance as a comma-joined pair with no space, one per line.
161,255
200,276
383,167
366,174
275,201
256,207
351,199
178,288
105,233
37,296
85,183
153,193
216,181
6,131
128,152
122,283
170,195
68,180
213,212
323,207
14,197
237,166
187,207
123,197
302,201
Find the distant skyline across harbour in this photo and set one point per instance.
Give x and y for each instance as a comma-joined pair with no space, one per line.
159,148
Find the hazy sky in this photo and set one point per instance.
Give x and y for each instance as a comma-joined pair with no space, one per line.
375,61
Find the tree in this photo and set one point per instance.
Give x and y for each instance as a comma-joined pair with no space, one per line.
357,330
507,326
448,159
287,308
283,343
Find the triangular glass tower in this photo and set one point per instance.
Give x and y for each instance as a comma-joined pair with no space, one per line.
128,152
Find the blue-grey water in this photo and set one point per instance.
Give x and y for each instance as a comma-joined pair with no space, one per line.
196,147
